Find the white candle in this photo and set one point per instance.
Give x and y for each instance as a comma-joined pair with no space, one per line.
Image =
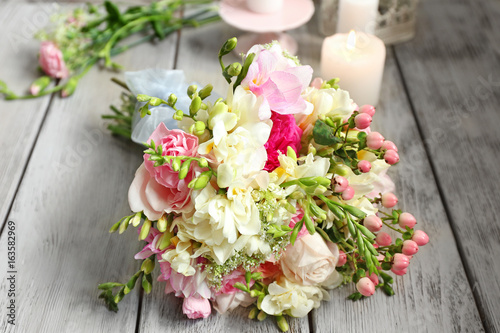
264,6
359,15
358,60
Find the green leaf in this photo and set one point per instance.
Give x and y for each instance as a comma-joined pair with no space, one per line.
114,14
362,140
158,29
324,134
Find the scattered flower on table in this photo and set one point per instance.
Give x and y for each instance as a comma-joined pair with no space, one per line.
267,198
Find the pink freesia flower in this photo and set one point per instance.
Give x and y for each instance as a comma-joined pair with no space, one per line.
152,246
51,61
196,307
272,76
284,133
184,286
156,190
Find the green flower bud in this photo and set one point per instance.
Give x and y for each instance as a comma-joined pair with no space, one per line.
329,122
124,225
291,153
162,223
254,293
136,219
114,227
39,85
322,181
195,105
178,115
147,266
206,91
199,128
192,90
146,226
253,313
311,149
70,87
203,106
202,180
176,164
155,101
297,195
354,211
234,69
184,169
172,99
341,170
203,163
228,46
165,241
143,98
261,316
282,323
147,284
109,285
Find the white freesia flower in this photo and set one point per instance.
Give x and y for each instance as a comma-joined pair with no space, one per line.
293,299
223,224
313,166
180,258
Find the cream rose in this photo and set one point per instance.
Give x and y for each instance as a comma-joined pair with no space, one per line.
309,261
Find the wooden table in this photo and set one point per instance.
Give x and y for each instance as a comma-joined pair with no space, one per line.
64,181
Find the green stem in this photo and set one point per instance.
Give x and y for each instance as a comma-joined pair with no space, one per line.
391,227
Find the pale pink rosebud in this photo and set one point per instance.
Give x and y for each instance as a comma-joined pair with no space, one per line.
407,220
348,193
340,184
373,223
373,278
383,239
374,140
400,261
389,200
420,237
389,145
365,286
342,259
51,61
410,247
196,307
364,166
362,120
391,157
368,109
399,272
317,82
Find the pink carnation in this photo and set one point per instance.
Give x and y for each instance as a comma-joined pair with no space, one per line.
156,190
51,61
196,307
284,133
229,280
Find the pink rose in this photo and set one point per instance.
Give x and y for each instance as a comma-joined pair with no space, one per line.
309,261
195,307
229,280
156,190
271,75
284,133
51,60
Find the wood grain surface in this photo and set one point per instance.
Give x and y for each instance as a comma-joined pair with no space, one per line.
64,181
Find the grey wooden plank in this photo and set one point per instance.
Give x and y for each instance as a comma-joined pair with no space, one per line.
452,70
435,295
20,120
197,56
74,188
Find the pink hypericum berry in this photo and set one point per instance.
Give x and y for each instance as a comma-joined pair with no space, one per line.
389,200
374,140
373,223
368,109
348,193
364,166
342,259
362,120
365,286
399,272
407,220
340,184
373,278
410,247
420,238
383,239
391,157
400,262
389,145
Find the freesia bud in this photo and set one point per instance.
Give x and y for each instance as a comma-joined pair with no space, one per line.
172,99
195,105
228,46
234,69
192,90
206,91
199,128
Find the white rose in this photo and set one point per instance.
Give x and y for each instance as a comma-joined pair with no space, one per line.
309,261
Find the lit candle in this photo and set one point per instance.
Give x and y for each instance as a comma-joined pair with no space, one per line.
358,60
264,6
359,15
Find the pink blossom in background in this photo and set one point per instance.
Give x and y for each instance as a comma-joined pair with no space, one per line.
229,280
194,307
156,190
284,133
271,75
51,61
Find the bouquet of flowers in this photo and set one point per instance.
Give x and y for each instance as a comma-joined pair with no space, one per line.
78,40
269,196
